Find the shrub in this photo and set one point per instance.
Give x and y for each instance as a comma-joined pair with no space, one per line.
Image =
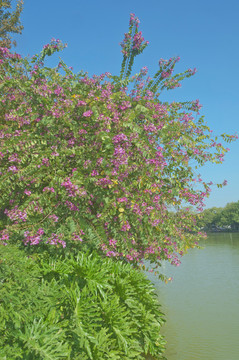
82,307
84,160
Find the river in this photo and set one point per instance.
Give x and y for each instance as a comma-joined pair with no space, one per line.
201,303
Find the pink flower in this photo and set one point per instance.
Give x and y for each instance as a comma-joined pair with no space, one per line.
47,188
54,217
124,199
13,168
88,113
71,188
14,157
71,206
94,173
55,239
82,131
40,231
81,103
126,226
4,235
76,237
112,242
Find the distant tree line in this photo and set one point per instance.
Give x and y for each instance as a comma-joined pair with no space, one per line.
221,219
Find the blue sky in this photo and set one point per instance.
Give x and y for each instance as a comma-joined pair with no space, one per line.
203,33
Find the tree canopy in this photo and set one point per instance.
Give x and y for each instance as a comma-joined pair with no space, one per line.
223,218
88,162
9,22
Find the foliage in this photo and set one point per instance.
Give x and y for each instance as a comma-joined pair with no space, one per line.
85,161
9,22
82,307
209,217
226,218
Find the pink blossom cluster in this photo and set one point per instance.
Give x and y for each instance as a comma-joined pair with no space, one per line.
54,44
13,169
70,188
104,182
94,173
119,138
137,41
54,217
71,206
33,239
4,236
172,84
88,113
77,237
166,74
14,158
45,161
126,226
196,106
47,188
123,199
6,54
56,239
15,214
133,40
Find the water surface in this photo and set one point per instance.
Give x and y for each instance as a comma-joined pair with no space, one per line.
201,304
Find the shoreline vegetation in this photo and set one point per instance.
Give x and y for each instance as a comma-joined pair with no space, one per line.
219,230
220,219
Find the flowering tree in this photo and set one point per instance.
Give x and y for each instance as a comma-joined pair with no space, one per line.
9,22
86,161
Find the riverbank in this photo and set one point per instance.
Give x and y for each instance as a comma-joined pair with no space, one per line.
218,230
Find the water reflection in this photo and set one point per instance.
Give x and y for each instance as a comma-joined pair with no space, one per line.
201,304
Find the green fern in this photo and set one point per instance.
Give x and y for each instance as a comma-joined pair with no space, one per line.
76,307
42,341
